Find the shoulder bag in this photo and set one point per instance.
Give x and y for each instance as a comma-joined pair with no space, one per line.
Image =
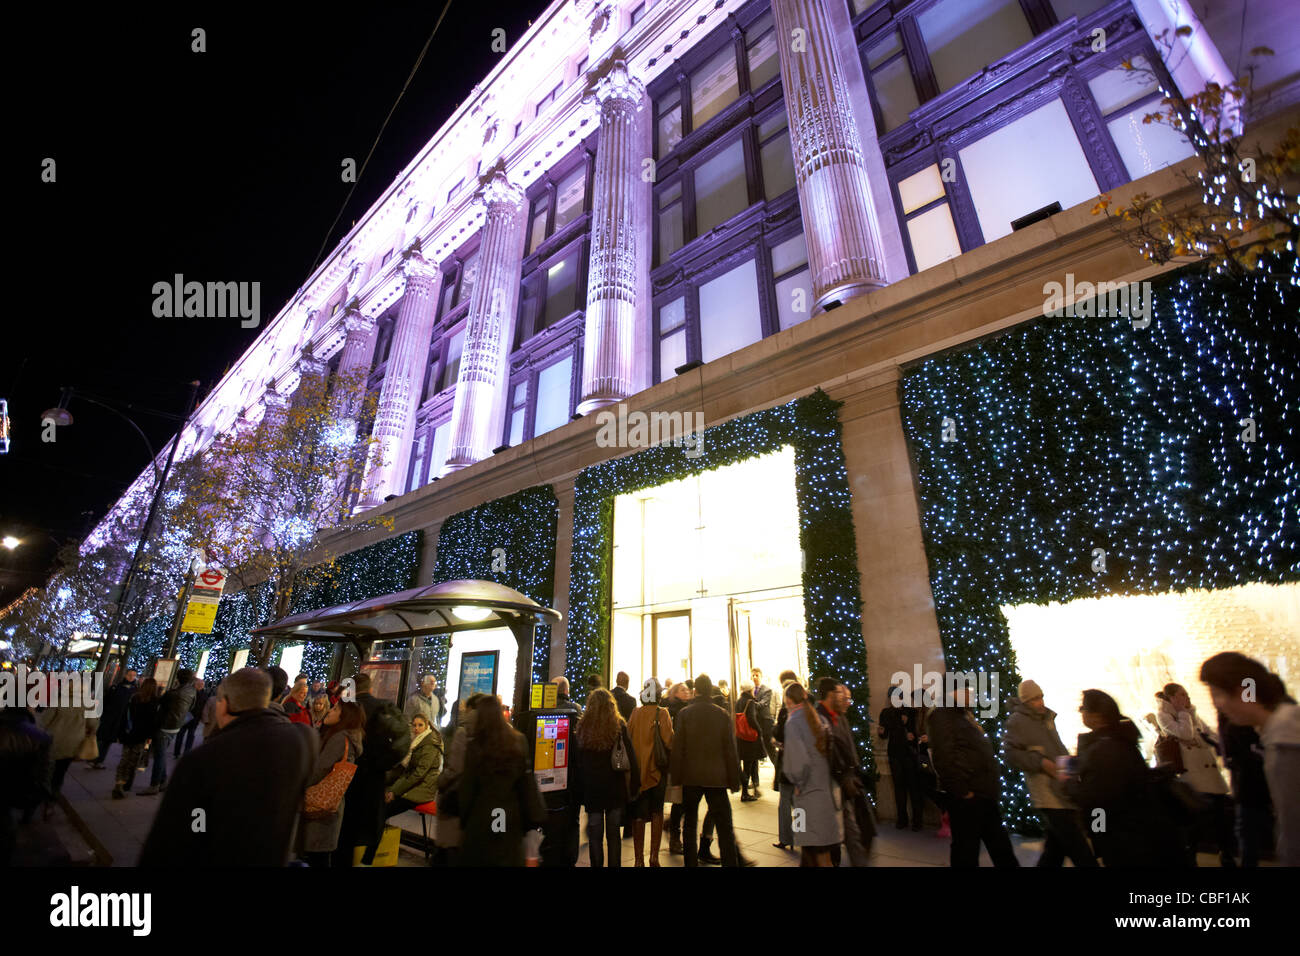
322,799
660,748
618,758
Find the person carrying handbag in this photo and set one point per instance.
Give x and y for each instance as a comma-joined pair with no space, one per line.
322,817
1198,747
651,732
606,775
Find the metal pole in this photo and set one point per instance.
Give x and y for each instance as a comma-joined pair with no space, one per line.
178,618
129,578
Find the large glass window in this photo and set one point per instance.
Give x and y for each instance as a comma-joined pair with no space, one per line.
672,337
793,282
451,367
558,203
775,155
569,195
553,393
1124,98
670,220
537,222
668,123
930,227
891,80
964,36
721,189
760,51
468,276
729,312
561,290
713,86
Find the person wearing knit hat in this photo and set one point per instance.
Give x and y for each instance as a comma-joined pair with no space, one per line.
1033,745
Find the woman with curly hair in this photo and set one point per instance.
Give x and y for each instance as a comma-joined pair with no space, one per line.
605,789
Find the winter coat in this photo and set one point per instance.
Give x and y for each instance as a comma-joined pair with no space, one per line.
448,829
322,836
249,779
894,726
962,754
486,839
625,702
1243,756
1201,769
816,794
68,726
141,721
1031,737
597,785
750,749
645,721
419,705
25,763
175,707
1280,736
1114,779
418,780
704,748
113,720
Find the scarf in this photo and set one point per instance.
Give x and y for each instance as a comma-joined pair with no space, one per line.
415,742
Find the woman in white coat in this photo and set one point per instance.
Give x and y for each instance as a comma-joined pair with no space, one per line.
817,823
1198,744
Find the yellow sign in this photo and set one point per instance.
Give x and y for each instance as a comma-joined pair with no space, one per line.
535,701
550,698
199,616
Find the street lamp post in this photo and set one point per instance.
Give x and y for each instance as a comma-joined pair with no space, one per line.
60,416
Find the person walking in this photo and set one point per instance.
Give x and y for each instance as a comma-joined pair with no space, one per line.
388,740
781,783
805,761
173,710
68,727
414,780
497,795
113,720
249,781
1243,756
141,726
342,739
968,773
677,698
193,720
898,728
858,822
1112,784
1250,695
1034,746
648,721
623,699
705,764
606,775
1198,744
749,742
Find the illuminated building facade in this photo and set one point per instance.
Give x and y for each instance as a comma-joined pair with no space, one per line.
716,207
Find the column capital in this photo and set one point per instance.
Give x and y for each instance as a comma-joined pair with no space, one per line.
616,85
415,266
308,364
496,190
356,322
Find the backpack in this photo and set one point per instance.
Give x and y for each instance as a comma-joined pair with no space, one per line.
743,729
388,738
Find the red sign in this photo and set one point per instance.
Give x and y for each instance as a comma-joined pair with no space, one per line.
213,578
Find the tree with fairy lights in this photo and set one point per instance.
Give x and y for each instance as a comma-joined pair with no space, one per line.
1248,204
265,492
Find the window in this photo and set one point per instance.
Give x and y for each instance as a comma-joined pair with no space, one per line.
335,306
670,220
638,14
713,86
468,276
455,189
792,281
556,205
721,189
554,385
418,451
891,81
1007,176
672,337
964,36
760,52
729,312
410,213
561,291
569,195
458,278
428,454
582,68
387,256
928,218
668,123
548,99
537,221
1076,8
518,412
518,127
775,155
451,365
1124,97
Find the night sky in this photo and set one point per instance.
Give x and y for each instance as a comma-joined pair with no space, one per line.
221,166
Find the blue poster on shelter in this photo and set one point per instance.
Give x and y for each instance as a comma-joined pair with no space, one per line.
478,674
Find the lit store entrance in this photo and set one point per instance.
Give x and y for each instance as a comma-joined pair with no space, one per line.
706,577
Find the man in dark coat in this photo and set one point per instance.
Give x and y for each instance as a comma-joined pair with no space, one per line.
113,720
859,824
898,727
172,714
968,772
767,709
706,764
387,741
244,786
624,701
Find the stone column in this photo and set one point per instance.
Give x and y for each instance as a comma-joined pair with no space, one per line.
399,396
607,363
358,347
479,407
844,250
307,367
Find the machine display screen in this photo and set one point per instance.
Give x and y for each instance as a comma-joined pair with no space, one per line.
551,752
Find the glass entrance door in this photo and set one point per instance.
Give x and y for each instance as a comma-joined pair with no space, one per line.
671,644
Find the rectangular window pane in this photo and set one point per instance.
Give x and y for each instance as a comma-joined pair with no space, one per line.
1146,147
441,436
569,194
1076,8
964,36
1009,174
670,231
561,290
729,313
920,188
778,166
890,44
672,316
761,54
789,255
417,462
713,86
794,298
720,188
469,273
452,368
521,395
1120,87
670,127
895,92
449,289
672,354
934,237
537,229
553,396
517,427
